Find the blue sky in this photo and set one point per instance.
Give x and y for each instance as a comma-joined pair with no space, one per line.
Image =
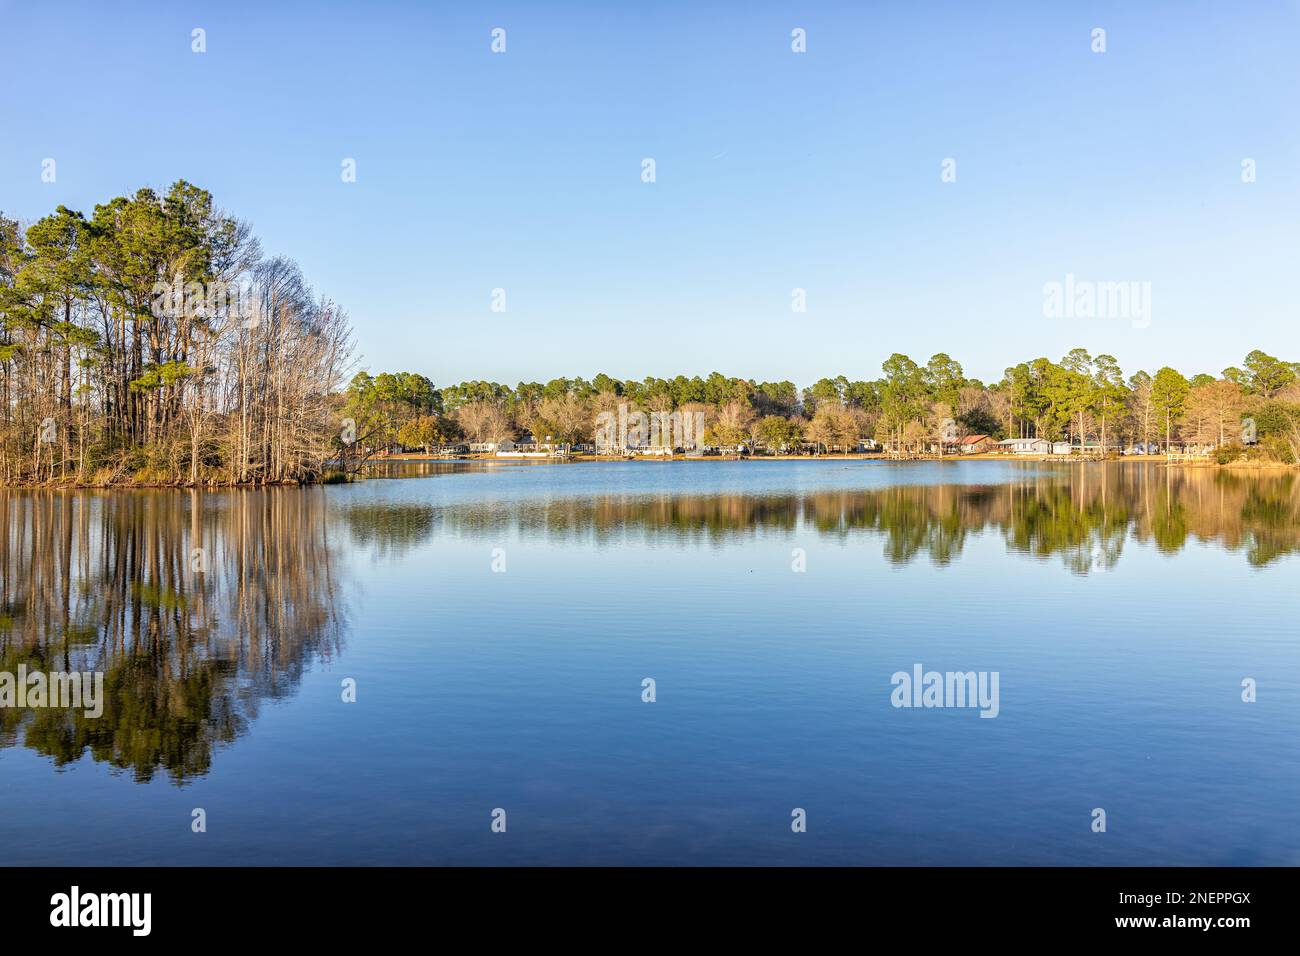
775,171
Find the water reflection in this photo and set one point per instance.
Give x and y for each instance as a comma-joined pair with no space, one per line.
1084,515
390,529
199,607
196,607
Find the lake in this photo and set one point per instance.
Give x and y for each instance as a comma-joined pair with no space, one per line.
501,623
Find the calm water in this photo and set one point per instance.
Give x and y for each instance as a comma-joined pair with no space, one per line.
1121,605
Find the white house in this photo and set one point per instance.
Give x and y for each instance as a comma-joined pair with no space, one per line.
1026,446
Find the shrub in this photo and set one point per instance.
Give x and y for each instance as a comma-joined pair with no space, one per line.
1277,448
1226,454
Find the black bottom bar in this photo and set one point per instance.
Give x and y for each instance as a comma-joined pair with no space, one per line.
332,905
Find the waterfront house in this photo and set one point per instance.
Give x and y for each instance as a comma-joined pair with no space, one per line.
975,444
1090,448
1026,446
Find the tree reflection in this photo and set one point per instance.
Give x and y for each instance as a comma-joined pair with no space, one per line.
190,641
1082,516
198,607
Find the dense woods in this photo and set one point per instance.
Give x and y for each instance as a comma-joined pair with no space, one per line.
153,342
1084,399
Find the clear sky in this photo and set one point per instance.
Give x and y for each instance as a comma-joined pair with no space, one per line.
774,171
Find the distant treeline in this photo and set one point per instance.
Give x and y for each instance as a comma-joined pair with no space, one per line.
153,342
1082,398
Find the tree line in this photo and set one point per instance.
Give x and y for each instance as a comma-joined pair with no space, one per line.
153,341
1083,399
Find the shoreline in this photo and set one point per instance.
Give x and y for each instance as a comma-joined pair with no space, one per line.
72,485
657,459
